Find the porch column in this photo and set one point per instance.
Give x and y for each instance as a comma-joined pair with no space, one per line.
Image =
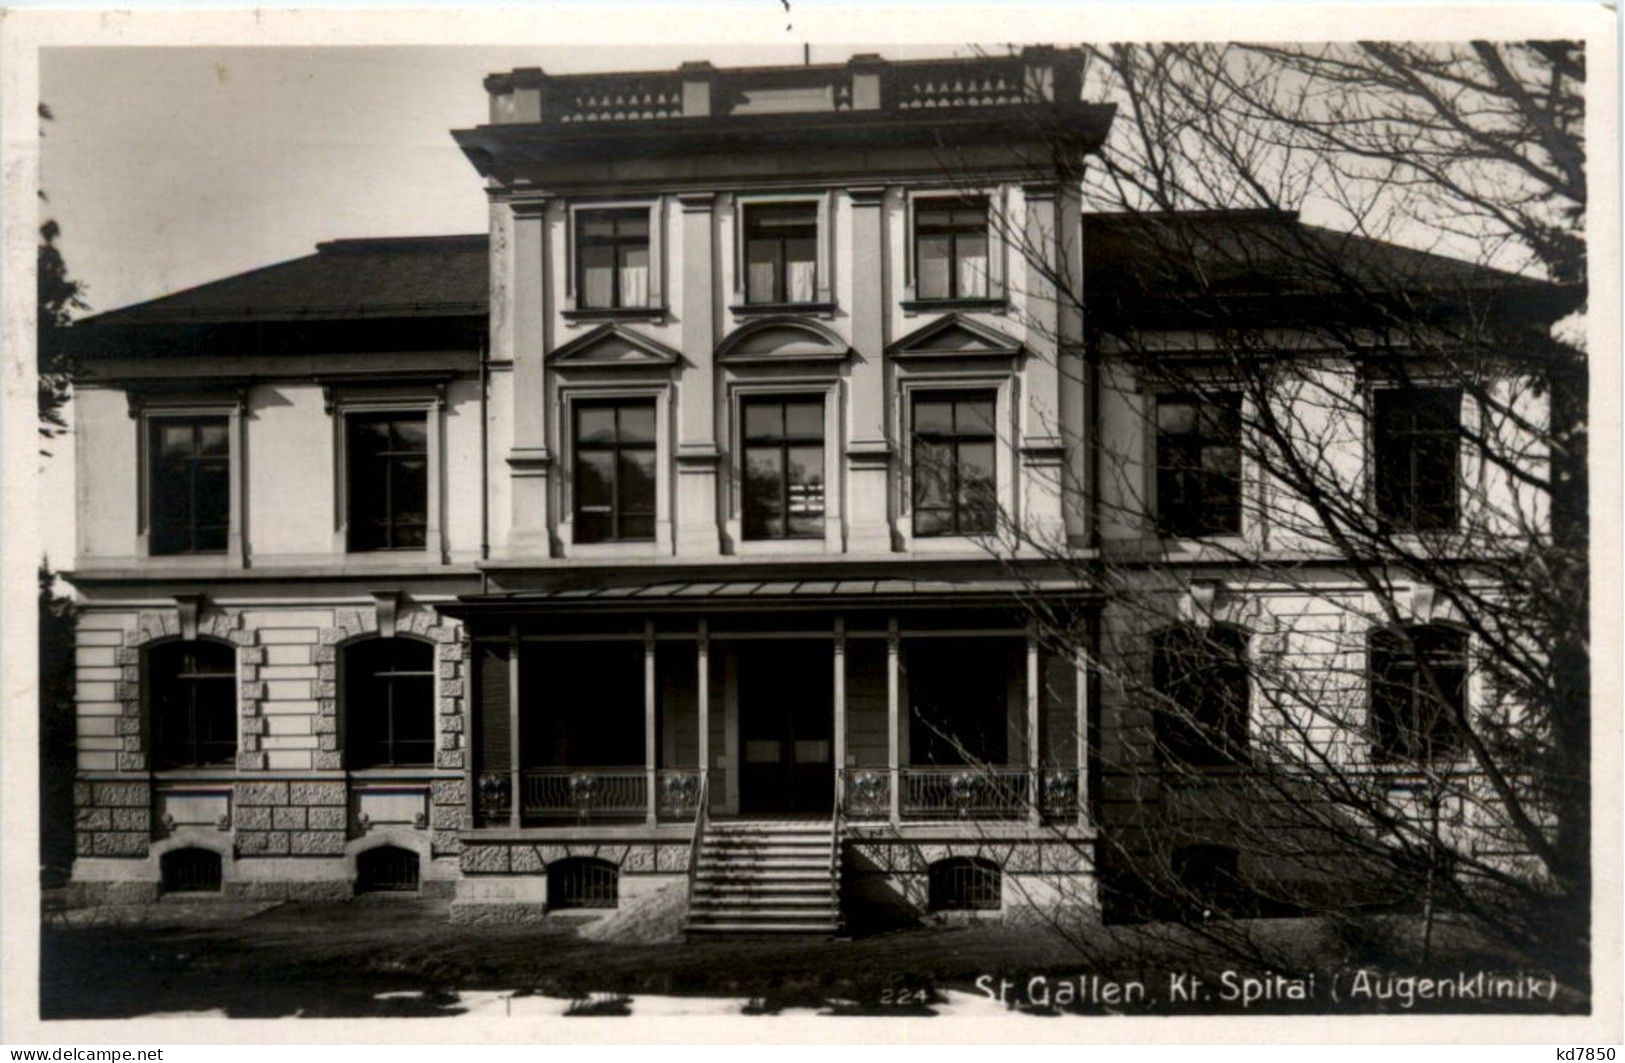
840,708
1034,813
649,717
1080,668
702,697
515,778
896,788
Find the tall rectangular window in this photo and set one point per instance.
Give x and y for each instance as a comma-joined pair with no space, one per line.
784,468
612,259
1418,692
615,455
1199,464
388,480
781,253
1416,445
954,444
950,249
190,485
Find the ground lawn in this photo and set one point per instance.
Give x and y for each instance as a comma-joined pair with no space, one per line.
392,956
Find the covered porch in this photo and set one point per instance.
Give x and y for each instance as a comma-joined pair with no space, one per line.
881,702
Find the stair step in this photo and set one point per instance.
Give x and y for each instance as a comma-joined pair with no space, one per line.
765,877
757,904
762,888
812,842
821,928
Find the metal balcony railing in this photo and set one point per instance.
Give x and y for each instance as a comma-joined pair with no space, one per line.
587,794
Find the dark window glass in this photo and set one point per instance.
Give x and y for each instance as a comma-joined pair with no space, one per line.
953,459
389,703
193,691
784,469
612,259
959,699
1416,446
386,869
190,485
964,882
388,481
614,471
781,253
1208,878
585,705
950,249
582,882
1201,682
1418,692
1198,464
190,870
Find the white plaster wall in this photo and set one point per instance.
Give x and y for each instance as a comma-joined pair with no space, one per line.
290,465
106,473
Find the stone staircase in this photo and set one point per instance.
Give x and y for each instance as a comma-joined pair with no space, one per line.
766,876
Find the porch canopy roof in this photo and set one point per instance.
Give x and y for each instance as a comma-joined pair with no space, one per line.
713,595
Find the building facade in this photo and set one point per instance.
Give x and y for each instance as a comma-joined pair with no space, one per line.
689,530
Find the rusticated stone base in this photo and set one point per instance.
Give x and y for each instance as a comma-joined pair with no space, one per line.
336,890
94,894
478,913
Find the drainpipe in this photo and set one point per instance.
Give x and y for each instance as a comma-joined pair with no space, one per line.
485,462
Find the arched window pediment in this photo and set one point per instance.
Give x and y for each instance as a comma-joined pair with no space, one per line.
781,339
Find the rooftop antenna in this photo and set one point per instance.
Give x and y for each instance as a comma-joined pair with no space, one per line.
806,54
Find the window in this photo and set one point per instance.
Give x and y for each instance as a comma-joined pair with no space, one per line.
1208,879
964,883
953,457
781,253
193,687
958,699
581,882
1198,464
784,468
1417,433
190,870
951,249
388,481
386,869
1201,681
614,471
1418,692
593,692
190,485
612,258
389,687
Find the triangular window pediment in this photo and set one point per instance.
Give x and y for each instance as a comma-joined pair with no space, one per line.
614,345
955,336
781,340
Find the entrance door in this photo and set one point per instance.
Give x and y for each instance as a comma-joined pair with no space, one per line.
786,724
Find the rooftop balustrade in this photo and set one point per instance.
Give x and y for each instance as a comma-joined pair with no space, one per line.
864,83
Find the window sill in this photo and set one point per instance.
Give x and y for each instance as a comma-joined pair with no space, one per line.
824,310
615,313
402,773
915,306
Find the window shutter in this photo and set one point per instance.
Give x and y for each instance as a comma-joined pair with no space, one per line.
493,743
